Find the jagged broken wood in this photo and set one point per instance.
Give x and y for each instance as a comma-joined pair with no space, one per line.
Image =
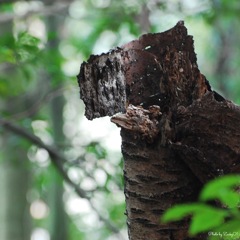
140,120
176,132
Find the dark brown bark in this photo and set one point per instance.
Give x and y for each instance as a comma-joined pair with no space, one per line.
154,180
176,132
207,137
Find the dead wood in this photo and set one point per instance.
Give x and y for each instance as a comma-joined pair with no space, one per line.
176,132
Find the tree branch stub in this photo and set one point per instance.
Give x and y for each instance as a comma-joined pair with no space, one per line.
169,119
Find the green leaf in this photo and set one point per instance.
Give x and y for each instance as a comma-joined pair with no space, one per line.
207,219
222,189
178,212
204,217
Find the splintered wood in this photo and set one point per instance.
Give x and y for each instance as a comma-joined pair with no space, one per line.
140,121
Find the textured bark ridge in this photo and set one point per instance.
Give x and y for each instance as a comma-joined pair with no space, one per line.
176,132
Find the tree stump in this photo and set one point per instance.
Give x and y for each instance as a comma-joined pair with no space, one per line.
176,132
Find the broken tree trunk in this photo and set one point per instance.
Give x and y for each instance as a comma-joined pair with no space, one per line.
176,132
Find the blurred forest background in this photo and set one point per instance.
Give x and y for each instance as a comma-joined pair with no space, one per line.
61,175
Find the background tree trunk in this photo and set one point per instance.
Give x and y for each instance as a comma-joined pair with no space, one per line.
58,218
171,123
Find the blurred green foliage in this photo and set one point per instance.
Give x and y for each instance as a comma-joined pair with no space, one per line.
18,57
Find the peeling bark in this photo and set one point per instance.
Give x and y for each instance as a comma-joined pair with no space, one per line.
176,132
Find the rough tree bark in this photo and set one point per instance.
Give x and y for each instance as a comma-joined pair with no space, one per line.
176,132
